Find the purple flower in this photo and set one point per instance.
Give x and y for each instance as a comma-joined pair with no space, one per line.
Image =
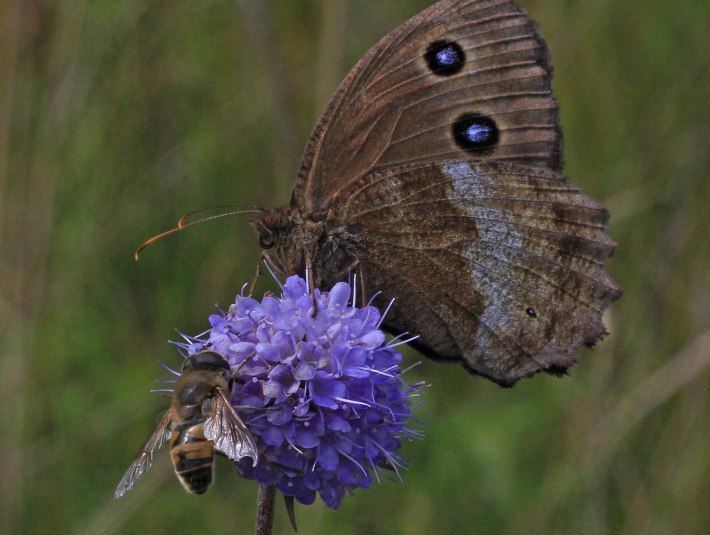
323,396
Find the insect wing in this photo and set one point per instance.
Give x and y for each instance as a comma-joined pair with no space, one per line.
461,78
225,428
145,456
441,150
518,255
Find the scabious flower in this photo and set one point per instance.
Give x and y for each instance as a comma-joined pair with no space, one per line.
323,395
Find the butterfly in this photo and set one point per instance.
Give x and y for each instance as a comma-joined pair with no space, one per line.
435,175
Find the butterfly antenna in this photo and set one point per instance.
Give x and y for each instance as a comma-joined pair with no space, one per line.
234,209
185,222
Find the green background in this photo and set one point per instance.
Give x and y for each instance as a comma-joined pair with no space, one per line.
118,117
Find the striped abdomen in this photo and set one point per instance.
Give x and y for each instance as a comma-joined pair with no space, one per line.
192,456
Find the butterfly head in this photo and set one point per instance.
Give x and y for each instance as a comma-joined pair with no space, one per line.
317,242
271,227
280,230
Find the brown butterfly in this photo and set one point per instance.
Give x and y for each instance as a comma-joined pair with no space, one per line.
434,174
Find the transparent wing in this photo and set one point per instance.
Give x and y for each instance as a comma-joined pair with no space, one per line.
226,429
145,456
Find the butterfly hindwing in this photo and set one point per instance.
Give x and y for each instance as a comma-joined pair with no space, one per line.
494,264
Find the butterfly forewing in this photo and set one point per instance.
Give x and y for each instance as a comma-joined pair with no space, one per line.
144,458
225,428
394,110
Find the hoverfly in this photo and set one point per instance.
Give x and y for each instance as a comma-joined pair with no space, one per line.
200,420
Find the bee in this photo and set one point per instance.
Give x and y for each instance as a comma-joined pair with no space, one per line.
200,420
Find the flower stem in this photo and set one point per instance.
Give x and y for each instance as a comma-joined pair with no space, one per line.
265,509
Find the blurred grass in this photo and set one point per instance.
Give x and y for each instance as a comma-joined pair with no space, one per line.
118,117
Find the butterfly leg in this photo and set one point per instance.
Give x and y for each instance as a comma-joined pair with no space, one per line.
311,283
363,292
265,257
344,274
309,243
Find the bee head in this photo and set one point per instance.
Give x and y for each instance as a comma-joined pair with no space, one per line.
208,360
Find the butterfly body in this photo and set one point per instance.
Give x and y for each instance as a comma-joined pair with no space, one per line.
323,242
435,174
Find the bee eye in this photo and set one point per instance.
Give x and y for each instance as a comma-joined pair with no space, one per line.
189,410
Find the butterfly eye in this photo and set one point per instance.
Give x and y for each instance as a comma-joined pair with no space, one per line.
267,235
267,239
445,57
475,132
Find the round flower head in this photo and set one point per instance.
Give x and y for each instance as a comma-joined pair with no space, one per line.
321,394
